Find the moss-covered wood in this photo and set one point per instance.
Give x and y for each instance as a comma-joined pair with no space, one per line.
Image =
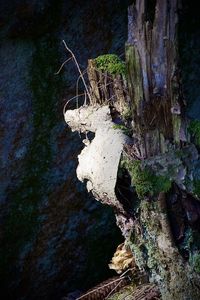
159,130
155,252
106,76
160,161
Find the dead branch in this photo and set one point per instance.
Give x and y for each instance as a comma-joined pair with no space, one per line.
64,108
63,65
114,289
113,284
77,83
79,70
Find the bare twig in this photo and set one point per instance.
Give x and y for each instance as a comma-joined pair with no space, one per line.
109,83
64,108
113,290
63,65
121,276
103,286
79,70
77,83
85,101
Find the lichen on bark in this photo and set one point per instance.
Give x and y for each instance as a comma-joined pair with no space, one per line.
160,161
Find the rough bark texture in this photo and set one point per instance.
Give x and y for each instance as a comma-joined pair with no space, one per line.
106,88
154,82
161,225
159,127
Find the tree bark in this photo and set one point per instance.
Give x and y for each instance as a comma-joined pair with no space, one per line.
159,127
161,226
105,88
154,81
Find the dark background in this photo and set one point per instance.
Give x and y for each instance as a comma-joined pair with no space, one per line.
54,237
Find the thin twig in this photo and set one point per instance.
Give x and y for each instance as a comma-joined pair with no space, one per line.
76,62
85,101
122,277
63,65
103,286
113,290
109,83
77,83
128,270
64,108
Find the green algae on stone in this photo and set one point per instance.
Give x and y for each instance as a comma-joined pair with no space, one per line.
110,63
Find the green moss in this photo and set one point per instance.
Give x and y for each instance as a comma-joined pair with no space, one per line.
127,113
191,243
146,183
194,129
195,262
143,246
188,240
134,77
138,255
136,245
123,128
140,179
150,220
152,261
179,153
110,63
124,293
176,127
197,187
161,184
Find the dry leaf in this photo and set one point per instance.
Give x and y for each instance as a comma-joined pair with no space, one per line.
122,259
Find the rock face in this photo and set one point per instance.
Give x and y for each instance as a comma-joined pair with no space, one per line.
51,230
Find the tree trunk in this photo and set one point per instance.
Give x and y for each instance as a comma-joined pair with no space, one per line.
159,163
160,128
154,81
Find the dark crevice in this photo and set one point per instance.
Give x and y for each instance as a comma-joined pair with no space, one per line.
150,7
184,216
124,191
